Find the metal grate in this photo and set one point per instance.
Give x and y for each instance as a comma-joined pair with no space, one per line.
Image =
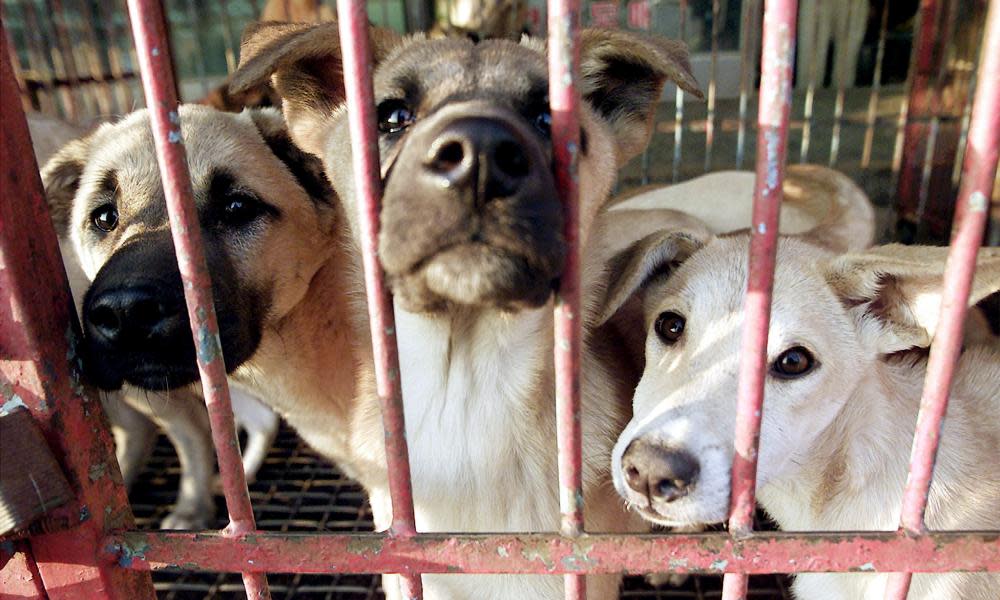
296,490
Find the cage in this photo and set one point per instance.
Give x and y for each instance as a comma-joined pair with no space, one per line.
883,91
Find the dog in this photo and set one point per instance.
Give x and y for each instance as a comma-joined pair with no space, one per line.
846,367
180,413
470,242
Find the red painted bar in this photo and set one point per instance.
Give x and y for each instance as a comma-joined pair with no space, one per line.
158,83
39,369
564,99
772,552
772,138
358,69
978,172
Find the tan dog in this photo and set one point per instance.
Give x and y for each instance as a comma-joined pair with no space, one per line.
471,245
107,202
841,395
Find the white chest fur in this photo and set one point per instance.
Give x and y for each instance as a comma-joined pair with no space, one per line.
477,422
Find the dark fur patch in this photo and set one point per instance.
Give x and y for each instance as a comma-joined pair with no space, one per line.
306,168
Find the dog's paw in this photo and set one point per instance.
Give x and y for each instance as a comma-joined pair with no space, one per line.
188,519
659,580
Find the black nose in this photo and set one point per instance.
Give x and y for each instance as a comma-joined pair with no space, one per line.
481,153
659,472
128,316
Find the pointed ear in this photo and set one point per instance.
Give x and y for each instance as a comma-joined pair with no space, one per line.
304,63
306,168
634,268
623,74
896,290
61,178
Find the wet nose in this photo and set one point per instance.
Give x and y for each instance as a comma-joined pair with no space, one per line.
127,316
659,472
480,153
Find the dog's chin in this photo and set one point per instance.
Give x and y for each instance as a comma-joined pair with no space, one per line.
474,275
681,513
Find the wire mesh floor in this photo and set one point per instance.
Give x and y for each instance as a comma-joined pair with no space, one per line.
296,490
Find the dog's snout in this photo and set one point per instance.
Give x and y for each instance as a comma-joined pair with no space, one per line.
659,472
127,315
481,153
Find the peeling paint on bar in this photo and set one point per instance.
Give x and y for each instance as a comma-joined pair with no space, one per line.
554,554
148,30
978,173
775,101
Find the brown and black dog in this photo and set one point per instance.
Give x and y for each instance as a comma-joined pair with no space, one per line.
472,246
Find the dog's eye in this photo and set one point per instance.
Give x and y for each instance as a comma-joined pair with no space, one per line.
543,122
669,326
241,209
105,217
394,116
794,362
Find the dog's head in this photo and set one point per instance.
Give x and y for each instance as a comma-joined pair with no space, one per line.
470,215
266,217
833,319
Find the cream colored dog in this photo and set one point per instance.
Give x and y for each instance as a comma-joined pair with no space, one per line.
841,397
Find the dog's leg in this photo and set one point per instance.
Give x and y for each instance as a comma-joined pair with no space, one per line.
261,425
135,436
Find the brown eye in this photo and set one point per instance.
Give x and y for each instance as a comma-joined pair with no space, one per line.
794,362
669,326
105,217
394,116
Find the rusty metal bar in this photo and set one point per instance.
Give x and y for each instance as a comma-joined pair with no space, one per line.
126,99
15,63
679,105
772,141
64,51
39,369
749,53
870,118
552,553
978,172
358,69
564,99
158,83
41,61
712,87
840,75
19,576
811,88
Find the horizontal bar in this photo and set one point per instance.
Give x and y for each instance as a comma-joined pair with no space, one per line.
770,552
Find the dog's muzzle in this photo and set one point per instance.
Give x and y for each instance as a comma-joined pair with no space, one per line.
470,213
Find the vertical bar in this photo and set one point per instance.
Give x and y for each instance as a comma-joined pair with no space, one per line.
811,88
840,76
712,87
39,370
19,576
15,63
195,22
57,15
679,105
564,64
866,152
749,53
161,98
44,66
228,36
978,173
358,69
772,138
103,87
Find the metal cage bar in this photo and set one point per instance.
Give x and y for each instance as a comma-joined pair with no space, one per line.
353,26
147,21
564,59
978,171
39,369
772,141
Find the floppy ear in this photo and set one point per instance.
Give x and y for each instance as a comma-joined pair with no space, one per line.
623,74
895,291
634,268
304,63
61,178
306,168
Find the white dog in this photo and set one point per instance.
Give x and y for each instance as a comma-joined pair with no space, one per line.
842,393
